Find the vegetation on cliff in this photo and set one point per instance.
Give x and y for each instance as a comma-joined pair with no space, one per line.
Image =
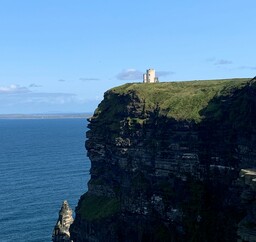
98,207
179,100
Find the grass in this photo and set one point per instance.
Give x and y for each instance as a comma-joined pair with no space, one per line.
98,207
179,100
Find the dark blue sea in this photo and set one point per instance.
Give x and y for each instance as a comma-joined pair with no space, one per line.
42,163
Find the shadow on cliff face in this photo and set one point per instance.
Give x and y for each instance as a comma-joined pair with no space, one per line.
227,137
228,130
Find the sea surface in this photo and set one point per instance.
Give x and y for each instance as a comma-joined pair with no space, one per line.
42,163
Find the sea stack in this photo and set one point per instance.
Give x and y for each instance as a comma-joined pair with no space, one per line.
61,229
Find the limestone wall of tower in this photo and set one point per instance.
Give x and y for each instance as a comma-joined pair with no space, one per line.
144,78
151,74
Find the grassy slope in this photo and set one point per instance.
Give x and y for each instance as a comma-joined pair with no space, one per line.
181,100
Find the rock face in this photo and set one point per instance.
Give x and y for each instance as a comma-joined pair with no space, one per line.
247,226
61,229
177,171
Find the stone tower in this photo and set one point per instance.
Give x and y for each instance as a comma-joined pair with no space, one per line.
61,229
150,76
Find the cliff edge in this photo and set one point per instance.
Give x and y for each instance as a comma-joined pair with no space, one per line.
168,163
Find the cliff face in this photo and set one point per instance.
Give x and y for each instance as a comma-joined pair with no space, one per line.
165,164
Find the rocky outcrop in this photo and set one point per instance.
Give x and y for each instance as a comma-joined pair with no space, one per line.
247,226
61,229
158,174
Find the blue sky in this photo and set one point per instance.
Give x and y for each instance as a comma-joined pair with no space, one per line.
62,55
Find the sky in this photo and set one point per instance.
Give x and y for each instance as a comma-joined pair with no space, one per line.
60,56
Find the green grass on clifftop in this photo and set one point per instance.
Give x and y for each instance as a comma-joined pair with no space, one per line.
181,100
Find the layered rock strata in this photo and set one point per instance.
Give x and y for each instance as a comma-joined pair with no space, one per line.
162,173
247,226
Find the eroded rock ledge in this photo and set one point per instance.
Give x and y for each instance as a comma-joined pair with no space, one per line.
165,164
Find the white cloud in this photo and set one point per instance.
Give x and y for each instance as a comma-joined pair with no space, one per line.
20,99
219,62
223,62
45,102
130,74
13,89
210,59
164,73
49,98
19,94
89,79
247,67
34,85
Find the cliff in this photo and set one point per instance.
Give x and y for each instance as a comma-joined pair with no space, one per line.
168,163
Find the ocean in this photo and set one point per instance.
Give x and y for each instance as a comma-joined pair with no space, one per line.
42,163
